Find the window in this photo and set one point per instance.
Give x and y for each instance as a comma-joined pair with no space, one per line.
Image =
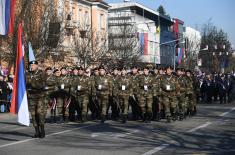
101,22
60,7
86,18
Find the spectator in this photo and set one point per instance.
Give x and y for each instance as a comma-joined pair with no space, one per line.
3,93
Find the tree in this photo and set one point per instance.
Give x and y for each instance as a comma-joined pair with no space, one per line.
38,18
217,56
91,47
123,44
161,10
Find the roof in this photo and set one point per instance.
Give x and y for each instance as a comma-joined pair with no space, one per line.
100,1
115,6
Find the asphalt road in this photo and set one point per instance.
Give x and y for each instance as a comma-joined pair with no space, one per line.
211,131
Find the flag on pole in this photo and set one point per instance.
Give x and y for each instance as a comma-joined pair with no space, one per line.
7,12
19,102
158,27
180,55
31,53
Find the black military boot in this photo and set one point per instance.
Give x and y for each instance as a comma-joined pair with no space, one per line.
83,118
103,118
66,120
158,116
148,117
181,117
36,135
124,118
168,119
174,117
42,131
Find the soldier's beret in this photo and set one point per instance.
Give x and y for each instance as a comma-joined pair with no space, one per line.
115,68
96,68
178,69
189,71
56,70
33,62
80,68
169,67
134,67
75,68
146,67
63,68
122,68
102,67
48,68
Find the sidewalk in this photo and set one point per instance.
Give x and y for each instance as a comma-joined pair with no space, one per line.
7,116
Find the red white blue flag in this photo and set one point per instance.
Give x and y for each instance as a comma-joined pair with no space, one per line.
19,102
7,12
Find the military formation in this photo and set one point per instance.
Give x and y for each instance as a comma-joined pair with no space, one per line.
147,94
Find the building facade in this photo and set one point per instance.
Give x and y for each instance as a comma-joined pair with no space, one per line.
144,22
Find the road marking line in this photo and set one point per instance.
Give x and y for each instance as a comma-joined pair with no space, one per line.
225,113
156,149
163,146
125,134
57,133
199,127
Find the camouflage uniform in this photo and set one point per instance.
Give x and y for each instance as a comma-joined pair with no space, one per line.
102,90
170,88
36,82
124,90
189,95
63,98
49,98
145,96
182,96
134,98
157,97
93,103
115,99
81,89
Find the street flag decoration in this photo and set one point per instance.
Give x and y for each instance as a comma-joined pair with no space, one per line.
7,12
158,27
19,102
143,37
180,55
31,53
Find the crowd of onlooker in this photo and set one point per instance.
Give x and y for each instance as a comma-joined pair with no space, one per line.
6,86
216,87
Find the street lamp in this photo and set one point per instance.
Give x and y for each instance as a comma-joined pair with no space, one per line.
174,51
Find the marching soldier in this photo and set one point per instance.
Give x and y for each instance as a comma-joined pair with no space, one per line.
114,100
145,96
63,97
93,103
102,90
157,96
81,88
133,99
124,91
183,89
36,82
170,88
191,93
73,105
49,90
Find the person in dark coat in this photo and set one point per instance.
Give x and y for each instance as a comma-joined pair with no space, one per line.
3,92
223,88
208,85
